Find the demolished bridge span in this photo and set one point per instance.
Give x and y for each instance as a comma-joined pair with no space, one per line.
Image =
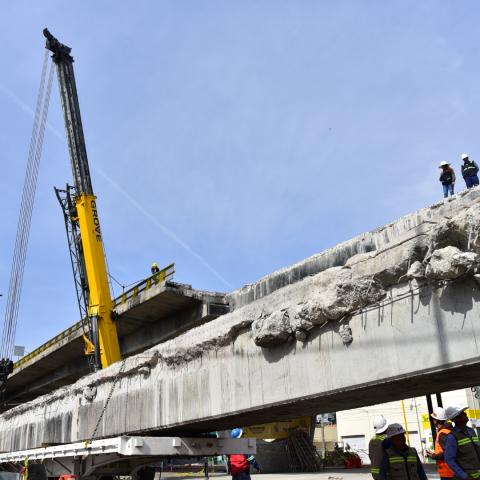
362,323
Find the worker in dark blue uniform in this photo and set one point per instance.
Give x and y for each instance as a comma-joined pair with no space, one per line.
462,449
400,462
469,171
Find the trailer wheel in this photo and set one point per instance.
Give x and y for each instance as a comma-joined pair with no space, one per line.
145,473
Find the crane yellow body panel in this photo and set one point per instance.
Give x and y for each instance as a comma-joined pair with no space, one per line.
100,304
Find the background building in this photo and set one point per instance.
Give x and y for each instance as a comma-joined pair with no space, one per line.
355,427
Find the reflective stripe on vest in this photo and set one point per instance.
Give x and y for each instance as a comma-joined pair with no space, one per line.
468,453
468,168
402,467
375,452
401,459
465,441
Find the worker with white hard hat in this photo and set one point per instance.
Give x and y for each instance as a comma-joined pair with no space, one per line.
375,446
462,449
444,428
469,171
447,178
400,462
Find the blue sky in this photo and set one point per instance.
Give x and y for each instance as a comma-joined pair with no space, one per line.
233,138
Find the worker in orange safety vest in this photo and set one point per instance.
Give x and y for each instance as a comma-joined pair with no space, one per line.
444,428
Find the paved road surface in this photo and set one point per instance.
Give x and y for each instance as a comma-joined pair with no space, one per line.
342,474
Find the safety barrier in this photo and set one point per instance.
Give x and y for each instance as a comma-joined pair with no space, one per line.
156,279
62,335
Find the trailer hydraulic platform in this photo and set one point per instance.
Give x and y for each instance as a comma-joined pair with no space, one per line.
123,455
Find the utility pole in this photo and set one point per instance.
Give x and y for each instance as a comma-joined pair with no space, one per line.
324,446
419,428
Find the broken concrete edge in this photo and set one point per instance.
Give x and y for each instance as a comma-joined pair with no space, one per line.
340,254
202,295
175,288
445,250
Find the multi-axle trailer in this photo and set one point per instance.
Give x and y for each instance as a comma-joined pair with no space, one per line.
118,456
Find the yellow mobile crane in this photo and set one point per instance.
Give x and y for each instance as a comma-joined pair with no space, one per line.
82,223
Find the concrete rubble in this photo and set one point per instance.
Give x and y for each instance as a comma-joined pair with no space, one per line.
450,262
430,252
437,243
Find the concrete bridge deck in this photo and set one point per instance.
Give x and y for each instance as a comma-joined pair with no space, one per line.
390,314
145,317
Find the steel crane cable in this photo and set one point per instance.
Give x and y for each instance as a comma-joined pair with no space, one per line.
26,209
23,228
19,238
38,156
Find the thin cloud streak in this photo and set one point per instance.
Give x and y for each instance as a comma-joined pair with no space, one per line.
162,227
169,233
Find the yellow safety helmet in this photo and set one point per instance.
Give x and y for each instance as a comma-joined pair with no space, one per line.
155,264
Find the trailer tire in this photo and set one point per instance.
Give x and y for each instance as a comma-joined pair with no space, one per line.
145,473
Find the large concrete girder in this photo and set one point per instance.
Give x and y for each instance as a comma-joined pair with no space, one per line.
165,310
407,338
214,376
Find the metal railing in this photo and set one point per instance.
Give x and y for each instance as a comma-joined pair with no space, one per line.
57,339
156,279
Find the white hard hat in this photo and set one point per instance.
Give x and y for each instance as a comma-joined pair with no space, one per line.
464,156
380,424
394,429
439,414
443,164
452,412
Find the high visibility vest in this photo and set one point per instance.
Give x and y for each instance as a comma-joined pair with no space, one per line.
402,465
375,452
443,469
468,453
469,168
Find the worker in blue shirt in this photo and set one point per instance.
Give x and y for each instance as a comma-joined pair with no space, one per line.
462,450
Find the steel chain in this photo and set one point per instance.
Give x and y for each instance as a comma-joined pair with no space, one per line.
104,409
